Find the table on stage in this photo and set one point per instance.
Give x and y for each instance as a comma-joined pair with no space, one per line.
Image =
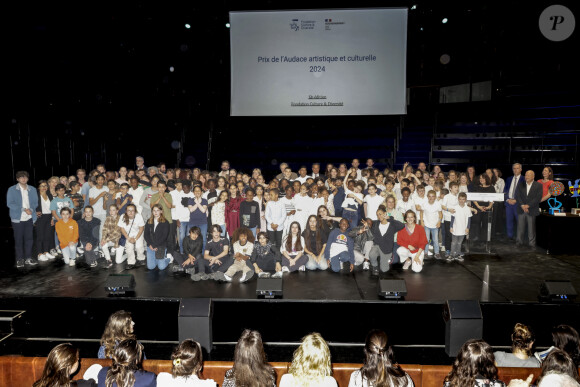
557,234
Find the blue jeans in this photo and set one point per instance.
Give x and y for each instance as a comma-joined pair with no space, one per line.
253,230
511,218
183,229
396,258
312,264
434,234
203,228
352,217
153,262
337,259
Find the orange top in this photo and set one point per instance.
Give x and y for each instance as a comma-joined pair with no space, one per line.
67,232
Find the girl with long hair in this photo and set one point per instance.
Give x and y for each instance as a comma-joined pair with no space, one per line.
478,231
156,233
311,364
232,212
120,326
474,366
62,362
44,223
261,200
132,227
111,236
187,359
127,368
379,368
293,257
218,211
251,367
315,239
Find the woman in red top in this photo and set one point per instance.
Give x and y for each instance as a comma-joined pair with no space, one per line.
546,180
233,210
411,240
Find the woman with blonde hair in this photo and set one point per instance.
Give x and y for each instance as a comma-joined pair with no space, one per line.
250,365
379,368
187,362
310,365
62,362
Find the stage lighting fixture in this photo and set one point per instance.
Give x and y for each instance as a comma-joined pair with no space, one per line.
120,284
269,288
414,6
445,20
228,25
557,291
171,69
392,289
187,25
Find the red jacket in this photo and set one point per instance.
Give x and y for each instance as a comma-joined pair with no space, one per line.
418,239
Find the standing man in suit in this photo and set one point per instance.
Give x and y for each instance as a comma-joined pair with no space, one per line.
316,172
528,197
510,188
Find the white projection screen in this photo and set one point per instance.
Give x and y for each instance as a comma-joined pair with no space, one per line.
318,62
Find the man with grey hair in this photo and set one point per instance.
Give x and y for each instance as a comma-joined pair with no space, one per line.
509,191
280,176
152,171
140,162
528,197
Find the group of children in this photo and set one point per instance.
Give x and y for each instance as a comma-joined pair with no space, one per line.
228,223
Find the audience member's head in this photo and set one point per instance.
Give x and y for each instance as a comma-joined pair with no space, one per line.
187,358
566,338
379,368
558,380
475,359
250,364
559,362
119,327
522,339
311,361
62,362
127,358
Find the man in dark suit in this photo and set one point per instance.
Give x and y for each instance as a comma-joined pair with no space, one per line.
528,199
510,189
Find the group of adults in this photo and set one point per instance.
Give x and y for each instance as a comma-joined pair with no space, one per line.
523,197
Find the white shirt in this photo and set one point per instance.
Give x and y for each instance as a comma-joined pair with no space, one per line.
136,193
431,214
165,379
421,201
449,201
288,381
383,228
528,186
406,206
302,180
25,203
293,244
98,206
499,185
461,216
45,205
351,201
356,380
132,229
275,214
180,212
373,203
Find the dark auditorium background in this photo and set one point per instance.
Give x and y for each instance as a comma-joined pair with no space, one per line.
102,82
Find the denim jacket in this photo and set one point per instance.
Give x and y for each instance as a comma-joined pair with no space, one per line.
14,202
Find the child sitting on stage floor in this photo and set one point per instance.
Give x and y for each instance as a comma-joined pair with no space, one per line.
243,248
192,252
340,247
216,257
266,258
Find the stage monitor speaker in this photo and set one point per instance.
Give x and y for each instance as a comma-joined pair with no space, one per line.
269,288
120,284
195,321
463,321
392,289
557,291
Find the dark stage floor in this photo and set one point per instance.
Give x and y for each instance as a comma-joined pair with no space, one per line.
513,275
343,307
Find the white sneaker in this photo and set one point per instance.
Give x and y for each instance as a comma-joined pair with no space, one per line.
58,250
80,250
302,268
170,257
71,262
42,258
247,275
407,264
285,269
49,256
227,278
277,274
366,265
263,274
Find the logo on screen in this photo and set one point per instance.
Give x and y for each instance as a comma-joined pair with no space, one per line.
294,25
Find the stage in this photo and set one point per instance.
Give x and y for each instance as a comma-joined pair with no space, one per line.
66,303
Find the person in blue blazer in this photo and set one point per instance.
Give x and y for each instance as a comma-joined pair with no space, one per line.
509,190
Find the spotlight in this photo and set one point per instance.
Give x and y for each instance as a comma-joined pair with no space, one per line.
187,25
414,6
171,69
228,25
445,20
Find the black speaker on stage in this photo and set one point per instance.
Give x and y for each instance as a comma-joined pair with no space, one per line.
557,291
392,289
463,321
195,321
269,288
120,284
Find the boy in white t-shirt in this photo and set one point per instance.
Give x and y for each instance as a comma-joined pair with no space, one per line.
419,198
406,203
460,223
372,202
431,218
